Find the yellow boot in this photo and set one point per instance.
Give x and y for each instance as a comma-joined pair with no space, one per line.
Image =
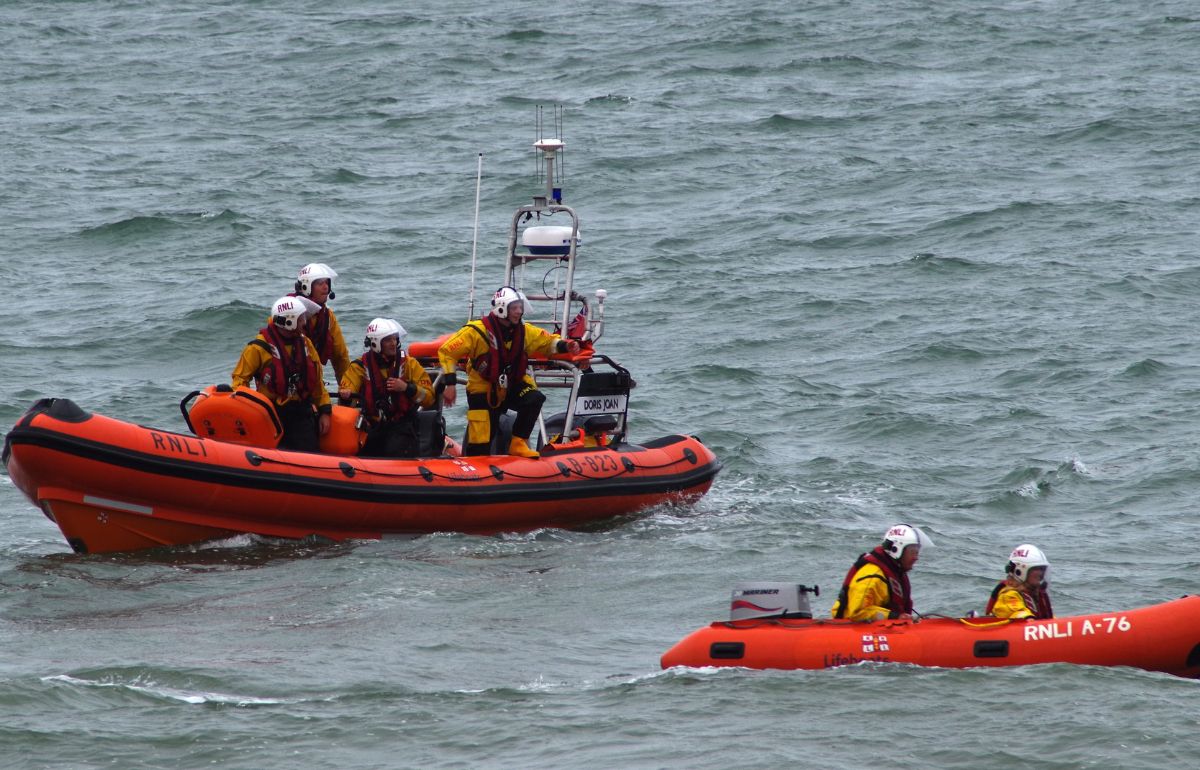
520,447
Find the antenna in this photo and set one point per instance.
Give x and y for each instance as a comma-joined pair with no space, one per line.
548,147
537,135
475,238
558,131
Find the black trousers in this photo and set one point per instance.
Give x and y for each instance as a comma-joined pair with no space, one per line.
392,439
299,427
526,401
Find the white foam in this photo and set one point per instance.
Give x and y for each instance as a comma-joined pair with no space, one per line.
173,693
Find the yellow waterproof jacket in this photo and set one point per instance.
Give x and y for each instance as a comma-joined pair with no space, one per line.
471,342
1010,603
339,353
867,598
255,359
355,379
339,356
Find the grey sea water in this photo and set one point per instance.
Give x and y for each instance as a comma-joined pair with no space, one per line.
925,262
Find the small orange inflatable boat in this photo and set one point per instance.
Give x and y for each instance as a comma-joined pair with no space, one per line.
1162,637
111,485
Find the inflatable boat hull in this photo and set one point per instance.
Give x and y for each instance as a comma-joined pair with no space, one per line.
1163,637
114,486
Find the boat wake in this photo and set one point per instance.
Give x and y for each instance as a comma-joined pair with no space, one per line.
161,692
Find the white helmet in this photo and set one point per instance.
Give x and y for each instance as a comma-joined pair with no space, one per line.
505,296
314,272
901,536
1024,558
288,312
380,329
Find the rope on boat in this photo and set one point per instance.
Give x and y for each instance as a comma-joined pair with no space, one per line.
984,621
561,469
993,623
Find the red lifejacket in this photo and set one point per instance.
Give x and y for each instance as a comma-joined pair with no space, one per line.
318,332
1037,602
899,591
513,361
289,373
376,397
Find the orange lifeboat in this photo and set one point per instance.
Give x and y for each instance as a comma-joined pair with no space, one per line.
1162,637
112,485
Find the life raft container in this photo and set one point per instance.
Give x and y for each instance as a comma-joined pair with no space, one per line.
344,436
245,416
237,415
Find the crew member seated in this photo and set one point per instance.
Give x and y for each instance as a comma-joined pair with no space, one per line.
877,587
390,387
1024,592
497,348
285,366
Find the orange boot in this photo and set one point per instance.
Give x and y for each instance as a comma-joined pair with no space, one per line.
520,447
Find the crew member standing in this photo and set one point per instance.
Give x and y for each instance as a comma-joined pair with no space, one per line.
283,364
497,348
315,282
390,387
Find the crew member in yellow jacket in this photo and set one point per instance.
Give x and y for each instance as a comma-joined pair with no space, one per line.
497,348
876,587
390,388
315,282
1024,592
284,365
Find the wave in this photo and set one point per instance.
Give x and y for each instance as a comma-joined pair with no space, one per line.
1147,367
383,21
947,351
1109,129
157,224
344,176
609,99
838,59
1029,483
150,688
783,122
1014,213
717,374
878,424
527,35
942,263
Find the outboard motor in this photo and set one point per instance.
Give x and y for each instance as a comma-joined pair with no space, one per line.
771,600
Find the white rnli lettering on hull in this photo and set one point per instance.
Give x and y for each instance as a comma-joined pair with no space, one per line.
1115,623
1036,633
1087,627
